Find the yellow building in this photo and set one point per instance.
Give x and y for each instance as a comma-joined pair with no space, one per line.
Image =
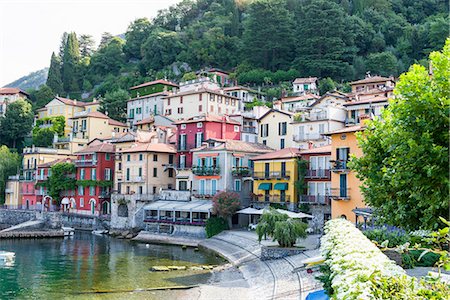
92,125
13,193
67,108
275,129
345,186
274,177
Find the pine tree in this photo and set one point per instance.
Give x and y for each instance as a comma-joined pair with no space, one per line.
70,64
54,80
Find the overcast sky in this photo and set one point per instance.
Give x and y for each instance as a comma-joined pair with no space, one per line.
30,30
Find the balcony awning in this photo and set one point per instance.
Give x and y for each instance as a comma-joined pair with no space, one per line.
281,186
266,186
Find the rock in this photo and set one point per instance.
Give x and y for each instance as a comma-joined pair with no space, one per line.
125,233
196,268
159,269
177,268
129,236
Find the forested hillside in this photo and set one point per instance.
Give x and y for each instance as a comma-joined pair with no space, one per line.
262,42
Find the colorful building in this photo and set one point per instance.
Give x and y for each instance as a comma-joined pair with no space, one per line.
91,125
13,192
225,165
275,175
275,129
94,175
345,186
9,95
305,86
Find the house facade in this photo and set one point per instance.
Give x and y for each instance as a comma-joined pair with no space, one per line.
225,165
9,95
275,130
275,175
94,175
245,94
13,192
302,86
298,103
91,125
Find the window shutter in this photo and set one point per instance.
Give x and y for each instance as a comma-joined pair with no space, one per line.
279,128
337,154
261,133
195,140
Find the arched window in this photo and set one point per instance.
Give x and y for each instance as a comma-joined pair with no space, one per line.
122,210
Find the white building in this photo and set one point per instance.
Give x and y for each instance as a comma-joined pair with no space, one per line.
9,95
298,103
305,86
247,95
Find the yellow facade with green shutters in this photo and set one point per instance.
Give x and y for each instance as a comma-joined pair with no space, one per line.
275,179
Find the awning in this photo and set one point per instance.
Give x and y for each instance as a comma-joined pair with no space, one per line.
195,206
266,186
250,211
65,200
281,186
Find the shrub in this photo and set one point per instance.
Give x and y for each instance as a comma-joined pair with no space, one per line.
287,232
215,225
225,204
394,235
266,224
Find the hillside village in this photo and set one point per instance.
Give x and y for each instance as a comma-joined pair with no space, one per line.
198,137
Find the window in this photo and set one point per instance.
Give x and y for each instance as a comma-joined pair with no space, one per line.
282,128
140,190
199,125
211,97
182,161
82,172
92,191
264,130
168,101
128,174
170,171
342,154
213,186
182,185
93,174
266,170
283,169
237,185
154,190
81,202
198,139
233,102
183,126
171,159
155,157
227,101
128,157
120,166
155,172
140,172
236,128
200,108
168,111
107,174
211,108
181,100
180,110
343,185
81,190
321,128
141,157
281,143
264,142
200,97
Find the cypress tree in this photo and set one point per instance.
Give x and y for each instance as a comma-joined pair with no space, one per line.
54,80
70,64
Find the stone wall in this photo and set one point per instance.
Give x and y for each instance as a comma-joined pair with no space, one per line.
135,212
11,217
274,252
318,212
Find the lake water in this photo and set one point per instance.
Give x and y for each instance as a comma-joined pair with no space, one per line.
87,266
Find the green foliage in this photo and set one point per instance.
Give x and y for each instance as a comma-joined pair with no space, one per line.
414,258
287,232
267,222
16,123
225,204
54,81
136,35
9,165
326,85
70,65
109,59
325,278
61,180
215,225
396,237
86,43
43,137
384,63
404,168
57,123
41,97
115,104
100,183
160,49
189,76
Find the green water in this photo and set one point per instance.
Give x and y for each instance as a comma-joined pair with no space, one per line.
81,266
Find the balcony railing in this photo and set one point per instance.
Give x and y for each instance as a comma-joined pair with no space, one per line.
273,198
312,117
319,173
85,162
205,171
135,179
28,192
249,129
41,177
315,199
339,165
274,174
307,137
241,171
340,194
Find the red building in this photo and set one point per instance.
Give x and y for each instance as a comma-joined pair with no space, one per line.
193,131
94,173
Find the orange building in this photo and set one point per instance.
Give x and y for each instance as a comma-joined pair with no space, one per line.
345,186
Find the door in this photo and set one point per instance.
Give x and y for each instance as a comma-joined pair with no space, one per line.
93,207
343,185
266,196
105,208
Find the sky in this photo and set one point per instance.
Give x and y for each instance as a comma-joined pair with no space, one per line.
30,30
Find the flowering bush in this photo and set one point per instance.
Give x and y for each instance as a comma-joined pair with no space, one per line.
359,270
225,204
395,236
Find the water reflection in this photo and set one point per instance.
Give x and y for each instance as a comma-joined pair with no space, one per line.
70,268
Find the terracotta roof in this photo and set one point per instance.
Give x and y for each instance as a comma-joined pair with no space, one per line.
54,162
149,95
370,79
335,94
275,110
283,153
151,147
123,137
208,118
148,120
11,91
346,129
323,149
160,81
300,98
305,80
99,147
116,123
202,90
75,102
240,87
236,145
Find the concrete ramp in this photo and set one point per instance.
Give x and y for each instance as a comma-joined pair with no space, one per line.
24,225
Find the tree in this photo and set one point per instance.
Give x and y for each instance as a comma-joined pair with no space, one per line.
109,59
43,137
404,169
41,97
326,85
59,181
266,225
16,123
137,33
105,39
189,76
9,165
70,65
384,63
115,104
54,81
160,49
269,46
287,232
87,45
225,204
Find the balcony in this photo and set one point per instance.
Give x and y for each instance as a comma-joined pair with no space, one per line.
248,129
9,191
321,116
272,175
135,179
318,174
204,194
307,137
273,199
241,171
339,165
104,195
340,194
28,192
85,162
315,199
41,177
205,171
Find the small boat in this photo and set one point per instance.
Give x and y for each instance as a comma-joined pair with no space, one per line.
68,231
99,232
7,258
